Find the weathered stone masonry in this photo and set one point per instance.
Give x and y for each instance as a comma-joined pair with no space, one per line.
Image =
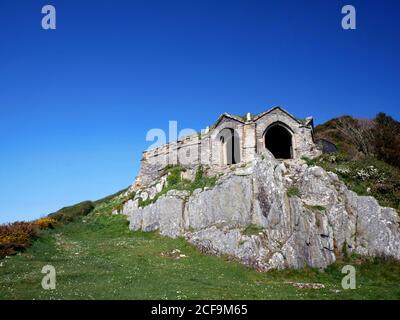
234,140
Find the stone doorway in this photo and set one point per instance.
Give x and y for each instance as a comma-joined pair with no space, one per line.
278,140
230,146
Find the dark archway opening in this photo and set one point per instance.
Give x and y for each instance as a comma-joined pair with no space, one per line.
278,140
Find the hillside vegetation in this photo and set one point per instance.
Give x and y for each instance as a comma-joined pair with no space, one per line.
17,236
368,157
358,138
98,257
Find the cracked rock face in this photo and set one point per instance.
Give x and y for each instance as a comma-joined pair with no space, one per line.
217,206
311,229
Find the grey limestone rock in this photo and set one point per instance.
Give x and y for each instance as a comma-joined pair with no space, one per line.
310,229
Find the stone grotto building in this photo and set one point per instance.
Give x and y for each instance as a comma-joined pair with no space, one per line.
234,140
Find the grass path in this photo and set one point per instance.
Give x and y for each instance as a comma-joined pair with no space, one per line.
97,257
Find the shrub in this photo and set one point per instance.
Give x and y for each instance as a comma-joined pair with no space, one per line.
387,139
359,132
174,176
379,137
46,223
201,181
199,174
16,236
131,195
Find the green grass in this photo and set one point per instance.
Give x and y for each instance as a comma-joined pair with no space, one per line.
309,162
252,229
293,192
98,257
175,182
315,208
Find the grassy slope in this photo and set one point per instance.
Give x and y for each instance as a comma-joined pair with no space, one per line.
97,257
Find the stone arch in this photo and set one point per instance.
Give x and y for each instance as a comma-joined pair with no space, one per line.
229,146
278,139
272,117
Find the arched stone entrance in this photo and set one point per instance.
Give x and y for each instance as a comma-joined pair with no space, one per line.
229,146
278,140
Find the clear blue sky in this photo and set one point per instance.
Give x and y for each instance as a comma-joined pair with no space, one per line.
76,103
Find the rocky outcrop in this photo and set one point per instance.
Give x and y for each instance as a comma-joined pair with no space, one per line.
299,216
